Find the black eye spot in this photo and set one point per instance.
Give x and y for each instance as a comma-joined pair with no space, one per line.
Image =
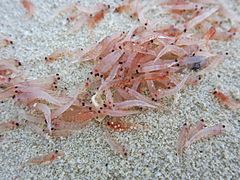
196,66
56,151
223,126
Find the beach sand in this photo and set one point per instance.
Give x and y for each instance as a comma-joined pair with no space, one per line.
152,153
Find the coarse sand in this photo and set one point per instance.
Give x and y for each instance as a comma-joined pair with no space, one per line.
152,153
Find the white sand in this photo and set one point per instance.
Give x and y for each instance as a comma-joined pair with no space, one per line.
88,156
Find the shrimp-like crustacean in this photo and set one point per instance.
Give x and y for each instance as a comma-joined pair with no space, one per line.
117,147
182,139
45,158
226,100
191,133
5,42
58,54
79,15
9,125
98,16
29,7
207,132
